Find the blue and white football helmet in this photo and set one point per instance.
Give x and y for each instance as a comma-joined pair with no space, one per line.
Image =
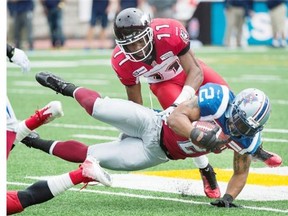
248,113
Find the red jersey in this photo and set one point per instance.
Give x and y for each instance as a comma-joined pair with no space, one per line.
180,147
165,75
170,39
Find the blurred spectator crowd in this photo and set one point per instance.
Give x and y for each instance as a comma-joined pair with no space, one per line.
91,20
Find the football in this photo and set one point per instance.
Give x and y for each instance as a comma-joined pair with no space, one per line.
208,126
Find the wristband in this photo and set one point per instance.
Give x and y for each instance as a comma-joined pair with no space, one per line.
187,93
228,197
195,135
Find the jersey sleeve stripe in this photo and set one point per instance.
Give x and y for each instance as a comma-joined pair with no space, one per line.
223,106
220,106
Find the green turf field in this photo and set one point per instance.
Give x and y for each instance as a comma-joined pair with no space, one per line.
263,68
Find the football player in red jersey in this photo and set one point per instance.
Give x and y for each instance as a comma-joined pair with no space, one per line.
160,51
150,142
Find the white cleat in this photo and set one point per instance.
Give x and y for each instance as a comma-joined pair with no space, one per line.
50,112
92,170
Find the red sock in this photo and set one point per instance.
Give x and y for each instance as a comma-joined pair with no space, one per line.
71,150
76,176
13,203
86,99
10,138
37,119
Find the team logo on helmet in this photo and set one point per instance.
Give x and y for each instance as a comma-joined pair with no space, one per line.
249,98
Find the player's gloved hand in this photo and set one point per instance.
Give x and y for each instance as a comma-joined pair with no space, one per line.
20,58
166,113
207,139
225,202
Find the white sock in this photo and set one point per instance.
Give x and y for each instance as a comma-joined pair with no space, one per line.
59,184
201,161
22,131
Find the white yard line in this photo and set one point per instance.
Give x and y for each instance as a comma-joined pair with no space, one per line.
194,187
92,127
100,137
180,186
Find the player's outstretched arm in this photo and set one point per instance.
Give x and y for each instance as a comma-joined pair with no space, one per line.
237,181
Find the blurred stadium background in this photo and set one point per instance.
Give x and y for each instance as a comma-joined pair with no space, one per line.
204,20
255,65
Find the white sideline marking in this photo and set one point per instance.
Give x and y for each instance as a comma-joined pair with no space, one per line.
275,140
157,198
270,130
282,170
95,137
94,81
92,127
194,187
105,128
176,200
66,64
81,82
280,102
100,137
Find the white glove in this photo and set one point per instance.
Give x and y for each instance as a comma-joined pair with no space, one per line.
20,58
166,113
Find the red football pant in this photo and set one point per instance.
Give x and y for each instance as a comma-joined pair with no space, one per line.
10,138
13,203
168,91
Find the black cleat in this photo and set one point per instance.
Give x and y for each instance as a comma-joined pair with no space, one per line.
269,158
53,82
211,188
30,139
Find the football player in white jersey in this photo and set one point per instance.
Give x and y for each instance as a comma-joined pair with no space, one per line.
20,58
89,170
15,130
150,141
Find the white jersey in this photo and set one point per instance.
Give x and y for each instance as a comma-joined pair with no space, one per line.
11,119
